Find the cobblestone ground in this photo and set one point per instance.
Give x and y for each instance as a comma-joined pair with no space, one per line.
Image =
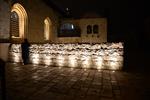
31,82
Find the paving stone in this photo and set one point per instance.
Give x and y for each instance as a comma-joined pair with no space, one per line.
118,97
73,92
82,92
106,98
93,91
117,92
91,98
28,82
106,92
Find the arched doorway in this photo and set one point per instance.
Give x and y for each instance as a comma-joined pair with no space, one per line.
47,29
18,25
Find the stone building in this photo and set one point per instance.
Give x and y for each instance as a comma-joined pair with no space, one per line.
84,30
41,23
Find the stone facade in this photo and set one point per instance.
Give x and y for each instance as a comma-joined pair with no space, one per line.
31,20
35,17
4,20
85,37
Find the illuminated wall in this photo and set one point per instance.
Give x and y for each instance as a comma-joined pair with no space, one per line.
19,9
30,21
47,28
40,16
97,56
99,37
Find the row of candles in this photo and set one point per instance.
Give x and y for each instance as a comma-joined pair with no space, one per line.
98,56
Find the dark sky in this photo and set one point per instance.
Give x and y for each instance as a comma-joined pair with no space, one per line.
78,7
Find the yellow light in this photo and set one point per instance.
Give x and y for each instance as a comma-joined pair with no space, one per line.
46,29
73,61
86,62
19,9
16,58
99,63
74,55
47,60
114,65
60,60
35,59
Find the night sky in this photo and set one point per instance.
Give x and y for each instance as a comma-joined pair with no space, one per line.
78,7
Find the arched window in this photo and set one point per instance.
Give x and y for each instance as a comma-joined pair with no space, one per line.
47,28
89,29
95,29
18,21
14,22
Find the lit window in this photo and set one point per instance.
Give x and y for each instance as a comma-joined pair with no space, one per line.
47,28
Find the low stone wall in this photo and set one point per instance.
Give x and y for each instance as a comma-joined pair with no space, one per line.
97,56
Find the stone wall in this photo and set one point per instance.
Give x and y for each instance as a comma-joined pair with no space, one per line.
37,15
96,56
4,20
82,23
37,11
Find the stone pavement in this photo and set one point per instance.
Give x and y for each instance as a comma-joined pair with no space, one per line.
37,82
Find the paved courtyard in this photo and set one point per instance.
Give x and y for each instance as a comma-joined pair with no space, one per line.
37,82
